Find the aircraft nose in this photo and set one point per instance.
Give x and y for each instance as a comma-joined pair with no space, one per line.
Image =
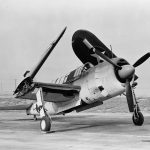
126,72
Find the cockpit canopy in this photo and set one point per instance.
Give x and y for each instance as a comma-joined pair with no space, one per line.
74,75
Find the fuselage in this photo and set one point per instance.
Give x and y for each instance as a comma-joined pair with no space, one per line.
98,83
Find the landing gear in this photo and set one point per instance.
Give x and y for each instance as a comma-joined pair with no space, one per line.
45,123
34,117
138,118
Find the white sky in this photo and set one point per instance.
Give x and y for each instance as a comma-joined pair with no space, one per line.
27,27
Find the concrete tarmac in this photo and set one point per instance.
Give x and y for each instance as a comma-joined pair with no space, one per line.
82,131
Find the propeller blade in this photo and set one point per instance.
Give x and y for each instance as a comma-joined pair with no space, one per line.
98,52
129,96
141,60
46,54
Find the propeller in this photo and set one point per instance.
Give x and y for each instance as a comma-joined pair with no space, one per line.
25,84
125,72
141,60
96,50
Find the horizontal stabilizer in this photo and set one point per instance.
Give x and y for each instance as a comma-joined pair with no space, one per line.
16,107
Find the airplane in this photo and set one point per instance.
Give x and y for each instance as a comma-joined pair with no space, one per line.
102,76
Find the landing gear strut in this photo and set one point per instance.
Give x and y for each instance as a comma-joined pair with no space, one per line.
45,123
34,117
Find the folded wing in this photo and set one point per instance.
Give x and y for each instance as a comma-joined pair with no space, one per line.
83,53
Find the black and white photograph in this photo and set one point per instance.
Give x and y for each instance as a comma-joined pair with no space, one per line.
74,74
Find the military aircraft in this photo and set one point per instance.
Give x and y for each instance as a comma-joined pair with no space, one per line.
102,76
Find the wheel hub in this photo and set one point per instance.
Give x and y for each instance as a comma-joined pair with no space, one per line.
43,124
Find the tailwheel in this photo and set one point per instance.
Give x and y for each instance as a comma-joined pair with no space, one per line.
45,123
138,118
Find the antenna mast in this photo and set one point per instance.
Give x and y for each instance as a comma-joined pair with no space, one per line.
111,51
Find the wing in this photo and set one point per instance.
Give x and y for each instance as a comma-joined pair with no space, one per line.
83,53
51,92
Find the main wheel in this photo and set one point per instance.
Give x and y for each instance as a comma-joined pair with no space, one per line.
138,119
45,123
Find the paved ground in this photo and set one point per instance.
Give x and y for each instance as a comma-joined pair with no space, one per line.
83,131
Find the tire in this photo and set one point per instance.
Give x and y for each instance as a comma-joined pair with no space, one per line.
138,120
45,124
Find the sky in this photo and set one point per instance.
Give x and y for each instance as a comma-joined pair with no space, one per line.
27,27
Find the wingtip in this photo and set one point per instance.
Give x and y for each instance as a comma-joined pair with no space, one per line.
65,28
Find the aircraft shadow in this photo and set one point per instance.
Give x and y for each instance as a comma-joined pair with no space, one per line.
82,122
91,124
54,118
